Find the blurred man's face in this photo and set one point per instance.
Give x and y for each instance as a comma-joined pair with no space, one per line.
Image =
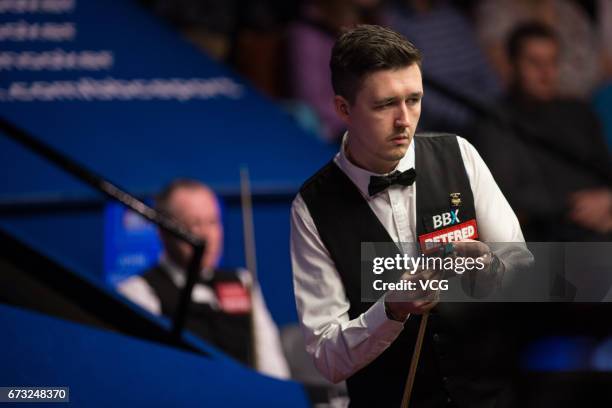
536,69
383,118
197,209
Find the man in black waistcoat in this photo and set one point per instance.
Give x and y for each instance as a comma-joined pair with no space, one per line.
227,307
386,185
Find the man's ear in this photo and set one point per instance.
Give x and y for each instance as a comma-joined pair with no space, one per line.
342,108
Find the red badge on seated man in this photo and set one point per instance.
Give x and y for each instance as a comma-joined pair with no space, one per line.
233,297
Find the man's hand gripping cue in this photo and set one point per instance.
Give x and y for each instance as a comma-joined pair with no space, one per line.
401,303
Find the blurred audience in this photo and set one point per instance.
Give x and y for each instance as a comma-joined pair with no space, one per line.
580,62
309,42
227,307
452,57
247,35
602,101
283,49
603,96
604,22
208,24
557,176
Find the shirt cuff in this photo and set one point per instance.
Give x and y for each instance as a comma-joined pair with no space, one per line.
379,325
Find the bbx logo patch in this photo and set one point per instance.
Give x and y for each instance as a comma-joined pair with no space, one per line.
447,218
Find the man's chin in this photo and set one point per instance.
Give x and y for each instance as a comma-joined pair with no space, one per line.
397,153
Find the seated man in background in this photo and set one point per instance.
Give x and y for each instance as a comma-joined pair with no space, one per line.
557,175
227,307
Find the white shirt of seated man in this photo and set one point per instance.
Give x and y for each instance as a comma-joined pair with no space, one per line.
196,207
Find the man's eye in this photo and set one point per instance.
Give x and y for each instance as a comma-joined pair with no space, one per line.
413,101
384,105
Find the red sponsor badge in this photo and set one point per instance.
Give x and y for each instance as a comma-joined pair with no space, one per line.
457,232
233,297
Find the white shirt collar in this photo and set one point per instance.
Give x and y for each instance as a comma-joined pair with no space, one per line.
361,177
178,274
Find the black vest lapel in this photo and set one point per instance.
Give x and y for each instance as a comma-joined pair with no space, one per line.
440,173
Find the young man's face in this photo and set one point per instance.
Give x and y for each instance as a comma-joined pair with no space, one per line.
536,68
383,118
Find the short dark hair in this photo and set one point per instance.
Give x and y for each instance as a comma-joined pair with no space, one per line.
527,31
364,50
162,200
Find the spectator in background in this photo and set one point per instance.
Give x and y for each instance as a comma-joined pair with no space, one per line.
227,307
451,57
603,96
558,175
579,59
604,20
309,43
246,35
208,24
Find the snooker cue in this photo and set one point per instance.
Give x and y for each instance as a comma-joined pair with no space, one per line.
415,360
248,231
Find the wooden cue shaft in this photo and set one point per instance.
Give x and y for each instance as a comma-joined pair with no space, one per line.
415,361
248,231
247,223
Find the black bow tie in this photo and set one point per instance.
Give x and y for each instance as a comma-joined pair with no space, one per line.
380,183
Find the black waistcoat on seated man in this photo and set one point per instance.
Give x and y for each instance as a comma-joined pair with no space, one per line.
456,366
225,323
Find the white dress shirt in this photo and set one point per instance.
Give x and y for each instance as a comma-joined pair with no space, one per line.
268,350
340,346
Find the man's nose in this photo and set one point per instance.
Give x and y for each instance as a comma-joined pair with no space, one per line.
402,119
